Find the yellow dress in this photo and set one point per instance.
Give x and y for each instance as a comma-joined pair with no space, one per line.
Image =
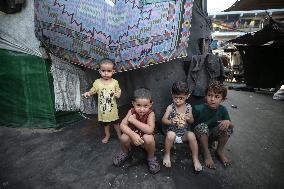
107,106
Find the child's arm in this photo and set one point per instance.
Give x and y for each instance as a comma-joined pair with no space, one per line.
117,94
189,118
225,123
145,128
92,91
86,94
165,119
117,91
135,138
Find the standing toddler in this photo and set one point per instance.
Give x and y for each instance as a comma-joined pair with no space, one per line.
108,91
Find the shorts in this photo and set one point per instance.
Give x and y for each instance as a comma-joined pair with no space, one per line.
178,131
103,124
214,134
178,140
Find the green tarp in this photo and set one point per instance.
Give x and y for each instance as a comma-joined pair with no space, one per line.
26,93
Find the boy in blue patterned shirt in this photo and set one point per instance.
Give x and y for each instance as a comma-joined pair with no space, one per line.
178,117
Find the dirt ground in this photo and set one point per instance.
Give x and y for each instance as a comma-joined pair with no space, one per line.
73,157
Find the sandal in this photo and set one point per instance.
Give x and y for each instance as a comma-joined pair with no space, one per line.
154,166
120,158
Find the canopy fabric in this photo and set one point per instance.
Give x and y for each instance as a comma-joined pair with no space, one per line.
26,92
69,83
132,33
17,31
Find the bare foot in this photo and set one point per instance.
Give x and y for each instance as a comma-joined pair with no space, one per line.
221,156
167,161
209,161
197,165
105,140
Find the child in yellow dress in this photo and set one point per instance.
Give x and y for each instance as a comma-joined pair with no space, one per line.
108,91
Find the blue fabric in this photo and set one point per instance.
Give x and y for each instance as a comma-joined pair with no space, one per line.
130,33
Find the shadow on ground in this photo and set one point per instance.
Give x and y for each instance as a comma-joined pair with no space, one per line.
74,157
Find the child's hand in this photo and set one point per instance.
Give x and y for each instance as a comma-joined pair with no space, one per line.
131,118
115,94
188,117
175,120
137,140
224,124
112,94
179,120
86,94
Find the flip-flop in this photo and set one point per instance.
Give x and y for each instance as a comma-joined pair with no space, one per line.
154,166
120,158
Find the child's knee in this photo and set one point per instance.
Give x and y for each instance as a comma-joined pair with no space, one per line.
225,133
190,136
201,130
124,138
148,139
229,131
171,135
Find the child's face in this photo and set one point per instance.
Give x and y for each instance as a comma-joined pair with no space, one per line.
142,106
179,99
106,70
214,99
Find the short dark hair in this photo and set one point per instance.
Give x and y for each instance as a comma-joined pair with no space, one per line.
218,88
142,93
106,60
180,87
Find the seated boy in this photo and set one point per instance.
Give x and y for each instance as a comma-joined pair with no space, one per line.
212,123
138,128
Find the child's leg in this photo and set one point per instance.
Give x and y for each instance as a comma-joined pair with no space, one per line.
125,143
222,141
117,129
202,133
192,143
149,144
207,155
107,134
170,138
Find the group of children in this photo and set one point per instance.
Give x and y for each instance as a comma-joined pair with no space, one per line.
202,123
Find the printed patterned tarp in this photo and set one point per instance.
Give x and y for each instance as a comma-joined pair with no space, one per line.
130,32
